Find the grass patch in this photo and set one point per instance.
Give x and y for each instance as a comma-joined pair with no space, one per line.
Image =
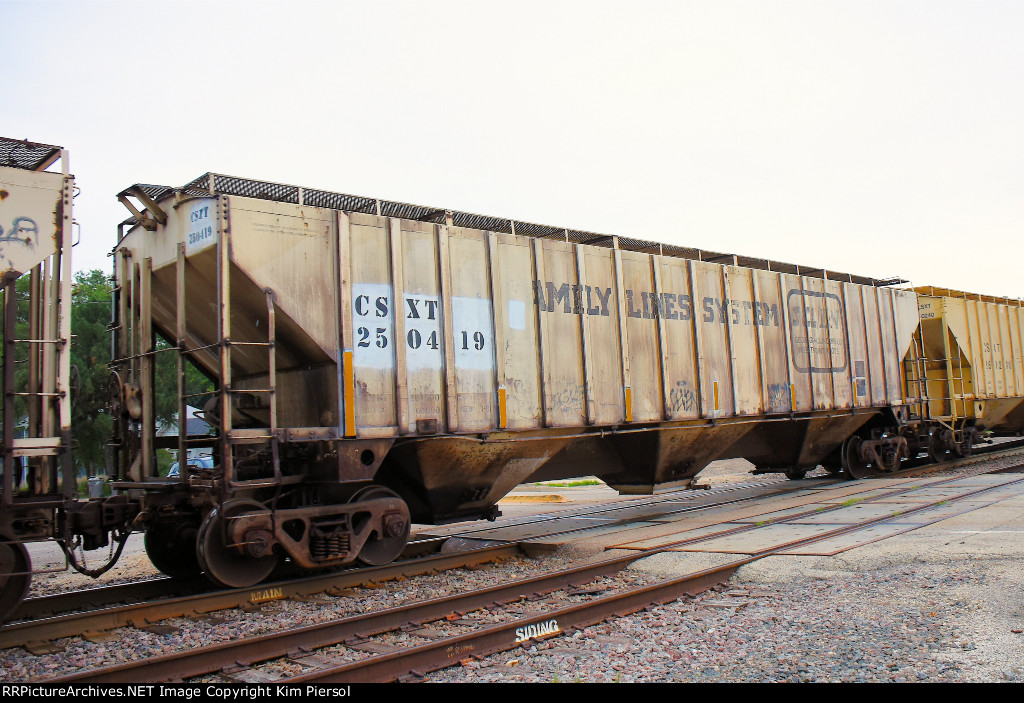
851,501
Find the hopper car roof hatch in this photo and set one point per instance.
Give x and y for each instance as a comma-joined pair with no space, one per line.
30,156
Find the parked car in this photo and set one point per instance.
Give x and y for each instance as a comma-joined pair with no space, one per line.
199,462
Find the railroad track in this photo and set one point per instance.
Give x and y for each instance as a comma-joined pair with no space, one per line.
93,612
355,649
36,635
136,592
146,603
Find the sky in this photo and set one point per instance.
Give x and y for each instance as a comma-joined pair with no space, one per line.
875,138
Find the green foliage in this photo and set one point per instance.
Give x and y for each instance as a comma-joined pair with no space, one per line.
166,403
164,459
91,424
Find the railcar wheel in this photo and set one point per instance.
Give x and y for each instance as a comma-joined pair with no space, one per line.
383,548
14,577
853,465
226,564
966,447
795,474
936,447
172,549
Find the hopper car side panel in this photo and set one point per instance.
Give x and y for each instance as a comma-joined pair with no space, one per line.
718,352
491,331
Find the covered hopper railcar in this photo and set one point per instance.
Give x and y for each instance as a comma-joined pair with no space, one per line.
377,363
38,490
966,370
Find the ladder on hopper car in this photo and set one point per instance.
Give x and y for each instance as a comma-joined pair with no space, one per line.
920,372
232,437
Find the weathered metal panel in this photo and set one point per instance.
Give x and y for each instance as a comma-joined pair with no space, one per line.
820,311
856,336
768,316
1016,341
801,344
679,354
984,383
907,319
746,355
715,356
1004,357
30,218
642,336
842,396
876,365
472,329
373,324
604,347
893,361
564,403
292,251
515,292
420,313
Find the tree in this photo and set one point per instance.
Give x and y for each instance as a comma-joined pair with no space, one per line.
91,424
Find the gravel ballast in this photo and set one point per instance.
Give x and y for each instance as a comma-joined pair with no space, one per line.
937,604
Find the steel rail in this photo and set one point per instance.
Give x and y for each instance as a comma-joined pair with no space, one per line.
497,638
212,658
444,652
142,614
158,587
204,660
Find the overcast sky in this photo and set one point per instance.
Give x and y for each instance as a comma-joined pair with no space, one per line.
877,138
